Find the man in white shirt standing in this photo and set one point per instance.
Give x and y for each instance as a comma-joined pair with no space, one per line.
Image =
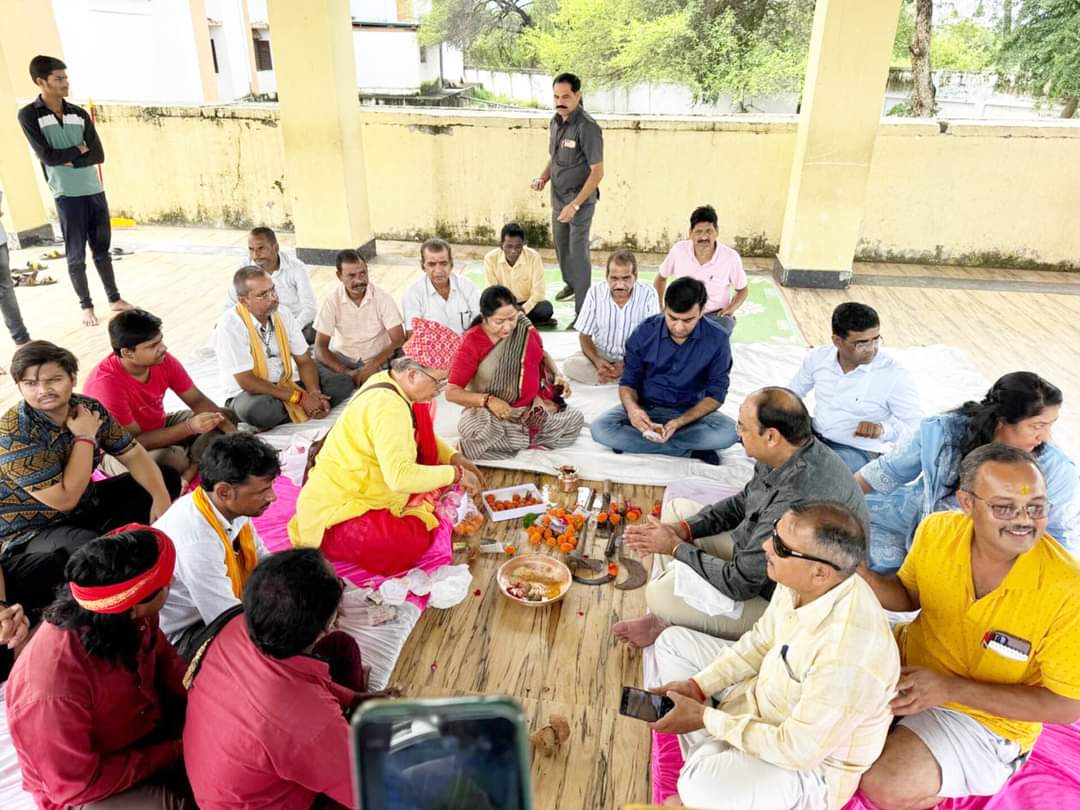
267,376
216,543
612,310
290,277
864,400
441,295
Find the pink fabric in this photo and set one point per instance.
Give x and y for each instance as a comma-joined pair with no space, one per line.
719,275
1050,777
272,526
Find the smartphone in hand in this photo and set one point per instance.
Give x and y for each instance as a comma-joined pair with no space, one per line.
644,705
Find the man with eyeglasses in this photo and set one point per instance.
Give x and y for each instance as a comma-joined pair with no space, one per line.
267,375
217,545
864,400
793,712
993,653
723,543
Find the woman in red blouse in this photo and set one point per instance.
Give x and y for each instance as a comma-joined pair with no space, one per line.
510,388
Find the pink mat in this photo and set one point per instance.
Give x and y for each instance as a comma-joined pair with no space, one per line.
273,528
1050,777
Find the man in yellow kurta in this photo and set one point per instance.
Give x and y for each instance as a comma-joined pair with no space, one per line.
370,498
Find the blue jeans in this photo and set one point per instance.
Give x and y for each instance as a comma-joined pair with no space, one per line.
853,457
712,432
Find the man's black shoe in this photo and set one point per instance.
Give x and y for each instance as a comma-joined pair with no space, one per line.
565,293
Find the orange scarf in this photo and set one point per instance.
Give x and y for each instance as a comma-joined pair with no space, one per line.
296,413
240,559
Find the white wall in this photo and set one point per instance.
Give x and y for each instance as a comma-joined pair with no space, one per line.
129,50
374,10
453,64
387,60
231,40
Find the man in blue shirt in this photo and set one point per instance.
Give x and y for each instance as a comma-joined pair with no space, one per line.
675,378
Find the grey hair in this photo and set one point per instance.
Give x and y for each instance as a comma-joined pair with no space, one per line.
837,531
242,276
404,364
995,451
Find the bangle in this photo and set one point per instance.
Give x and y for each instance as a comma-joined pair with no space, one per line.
700,691
88,439
459,472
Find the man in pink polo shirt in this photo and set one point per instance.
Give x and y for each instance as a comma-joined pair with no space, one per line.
716,266
132,382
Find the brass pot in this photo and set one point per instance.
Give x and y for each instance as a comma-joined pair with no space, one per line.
568,479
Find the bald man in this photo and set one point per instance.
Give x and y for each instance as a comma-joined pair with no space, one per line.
723,543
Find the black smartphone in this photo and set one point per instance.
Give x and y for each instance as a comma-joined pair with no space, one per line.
644,705
455,754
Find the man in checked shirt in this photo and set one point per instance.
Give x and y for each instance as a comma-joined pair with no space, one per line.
789,716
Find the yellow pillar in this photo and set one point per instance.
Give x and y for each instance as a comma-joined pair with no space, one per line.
201,31
22,204
320,127
846,72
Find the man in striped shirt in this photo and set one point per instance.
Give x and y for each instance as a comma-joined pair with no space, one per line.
63,137
612,310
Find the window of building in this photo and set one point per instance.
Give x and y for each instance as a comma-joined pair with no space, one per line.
213,55
423,55
262,55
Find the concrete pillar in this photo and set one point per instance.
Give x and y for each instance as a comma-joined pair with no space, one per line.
320,127
846,73
201,32
22,204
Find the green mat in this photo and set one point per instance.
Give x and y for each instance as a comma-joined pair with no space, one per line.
763,317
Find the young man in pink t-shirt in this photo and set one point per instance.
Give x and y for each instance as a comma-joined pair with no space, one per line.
131,384
716,266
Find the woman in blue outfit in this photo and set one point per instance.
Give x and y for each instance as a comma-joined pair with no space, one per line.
920,476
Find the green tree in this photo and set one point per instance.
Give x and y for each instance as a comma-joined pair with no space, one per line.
488,31
965,46
1043,51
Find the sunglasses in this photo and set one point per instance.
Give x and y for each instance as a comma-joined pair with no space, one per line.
783,550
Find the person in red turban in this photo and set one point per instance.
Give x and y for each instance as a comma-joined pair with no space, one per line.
95,702
370,498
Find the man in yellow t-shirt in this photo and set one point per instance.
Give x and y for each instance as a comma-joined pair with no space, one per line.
995,650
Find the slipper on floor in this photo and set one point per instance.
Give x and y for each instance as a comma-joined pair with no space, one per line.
52,254
31,267
31,279
116,251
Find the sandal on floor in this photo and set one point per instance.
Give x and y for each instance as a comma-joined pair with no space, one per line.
52,254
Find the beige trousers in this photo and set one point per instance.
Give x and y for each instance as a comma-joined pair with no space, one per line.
660,593
579,368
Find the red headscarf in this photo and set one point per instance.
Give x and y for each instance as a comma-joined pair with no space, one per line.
121,597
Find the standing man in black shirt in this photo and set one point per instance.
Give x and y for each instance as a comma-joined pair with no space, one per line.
575,168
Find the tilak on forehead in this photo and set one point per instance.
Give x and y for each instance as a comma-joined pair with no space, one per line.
1024,489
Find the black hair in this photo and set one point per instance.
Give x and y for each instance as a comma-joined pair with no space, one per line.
1013,398
349,256
568,78
491,300
623,257
992,452
131,327
262,232
38,353
437,245
703,213
511,229
852,316
42,66
234,458
289,600
105,561
782,410
683,294
837,530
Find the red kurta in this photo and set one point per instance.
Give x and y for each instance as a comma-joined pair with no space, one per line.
263,733
76,720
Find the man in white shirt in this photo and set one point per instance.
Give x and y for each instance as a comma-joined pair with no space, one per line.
441,295
267,376
216,543
290,277
791,714
864,400
612,310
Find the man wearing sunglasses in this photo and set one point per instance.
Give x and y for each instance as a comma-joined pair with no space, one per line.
792,713
722,543
864,400
993,653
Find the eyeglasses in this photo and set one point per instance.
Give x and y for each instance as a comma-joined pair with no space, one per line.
859,345
1010,511
783,550
439,384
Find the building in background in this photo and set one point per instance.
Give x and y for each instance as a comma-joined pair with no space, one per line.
206,51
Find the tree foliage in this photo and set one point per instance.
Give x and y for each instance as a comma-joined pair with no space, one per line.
1043,50
488,31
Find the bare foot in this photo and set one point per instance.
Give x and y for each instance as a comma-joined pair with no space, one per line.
673,801
120,306
641,632
89,318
